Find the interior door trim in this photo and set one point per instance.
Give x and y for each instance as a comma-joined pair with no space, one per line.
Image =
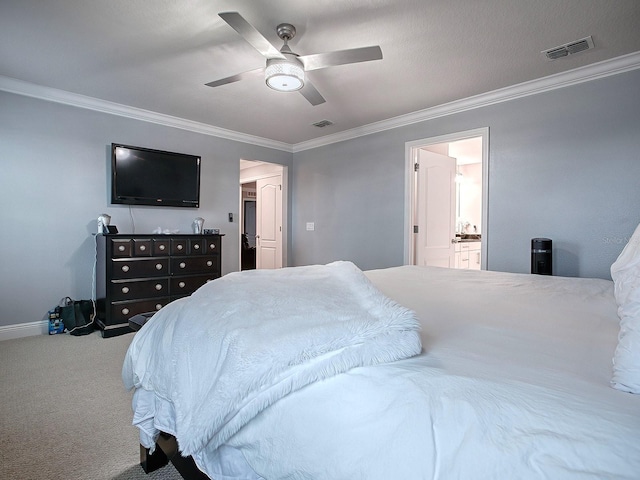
411,152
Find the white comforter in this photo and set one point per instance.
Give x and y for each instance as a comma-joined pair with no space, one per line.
244,341
513,382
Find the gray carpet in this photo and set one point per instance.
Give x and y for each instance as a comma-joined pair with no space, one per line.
64,413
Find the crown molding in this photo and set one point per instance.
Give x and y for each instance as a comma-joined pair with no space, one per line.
21,87
587,73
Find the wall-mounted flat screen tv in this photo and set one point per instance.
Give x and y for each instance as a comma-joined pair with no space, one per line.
142,176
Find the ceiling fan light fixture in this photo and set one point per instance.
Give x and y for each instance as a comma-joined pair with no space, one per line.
284,75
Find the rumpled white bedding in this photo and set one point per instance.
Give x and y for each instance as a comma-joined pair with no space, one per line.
240,343
625,273
513,382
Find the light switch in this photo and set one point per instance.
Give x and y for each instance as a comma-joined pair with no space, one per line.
311,226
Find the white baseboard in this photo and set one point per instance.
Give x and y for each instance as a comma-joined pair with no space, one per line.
9,332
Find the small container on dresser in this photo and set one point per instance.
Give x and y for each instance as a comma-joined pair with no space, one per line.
142,273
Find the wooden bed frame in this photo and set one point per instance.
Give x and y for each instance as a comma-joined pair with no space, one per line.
167,450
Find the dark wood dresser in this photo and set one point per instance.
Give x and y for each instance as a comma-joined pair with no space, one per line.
143,273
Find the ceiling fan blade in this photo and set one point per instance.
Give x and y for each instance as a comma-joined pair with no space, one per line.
309,92
235,78
250,34
340,57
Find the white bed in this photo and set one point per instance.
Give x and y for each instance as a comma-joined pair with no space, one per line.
513,381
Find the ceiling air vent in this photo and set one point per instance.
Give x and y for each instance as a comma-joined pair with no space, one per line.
569,48
322,123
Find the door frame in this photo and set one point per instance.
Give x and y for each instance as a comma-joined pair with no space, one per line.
252,177
410,188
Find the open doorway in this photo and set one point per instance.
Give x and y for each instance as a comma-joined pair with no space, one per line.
263,211
248,229
446,200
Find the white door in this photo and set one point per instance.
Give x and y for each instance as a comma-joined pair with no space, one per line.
269,222
436,210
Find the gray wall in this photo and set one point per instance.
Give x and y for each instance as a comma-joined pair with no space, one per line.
563,164
54,183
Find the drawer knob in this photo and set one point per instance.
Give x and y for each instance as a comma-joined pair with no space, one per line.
125,268
158,266
158,306
158,286
121,248
196,247
181,284
179,247
161,248
212,246
182,264
125,311
209,263
125,289
143,248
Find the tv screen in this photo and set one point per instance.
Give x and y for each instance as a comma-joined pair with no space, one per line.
142,176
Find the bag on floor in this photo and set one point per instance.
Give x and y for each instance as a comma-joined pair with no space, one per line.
77,315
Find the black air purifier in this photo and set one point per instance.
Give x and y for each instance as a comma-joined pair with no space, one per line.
541,258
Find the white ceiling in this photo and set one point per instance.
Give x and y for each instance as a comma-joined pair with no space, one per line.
157,55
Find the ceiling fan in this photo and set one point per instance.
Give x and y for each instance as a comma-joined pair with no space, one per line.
285,69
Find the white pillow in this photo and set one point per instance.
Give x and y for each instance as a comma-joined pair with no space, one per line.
625,272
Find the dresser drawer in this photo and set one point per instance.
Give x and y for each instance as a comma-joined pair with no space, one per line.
183,286
138,268
197,246
212,245
161,247
188,265
122,311
179,246
142,247
132,289
121,247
